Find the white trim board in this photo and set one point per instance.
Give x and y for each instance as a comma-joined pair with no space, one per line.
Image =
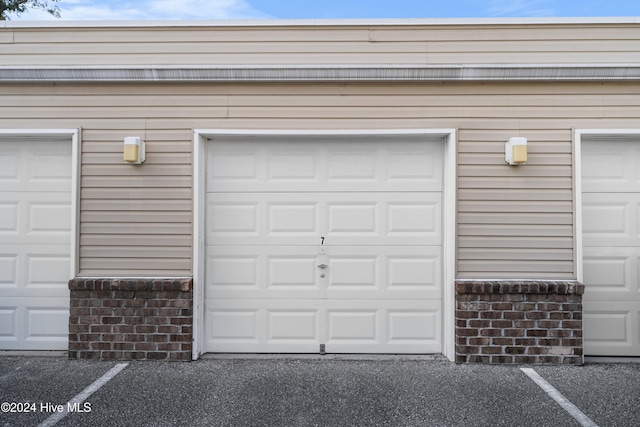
580,135
323,22
449,206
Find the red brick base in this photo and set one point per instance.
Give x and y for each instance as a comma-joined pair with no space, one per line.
126,318
519,322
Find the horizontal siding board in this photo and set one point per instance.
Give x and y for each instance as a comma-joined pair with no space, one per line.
158,149
532,230
188,35
535,147
139,181
427,111
151,100
522,33
135,193
467,206
137,252
508,194
135,216
532,275
566,58
123,170
202,59
478,254
540,47
521,218
250,48
516,266
258,46
168,138
113,113
515,242
542,136
88,205
523,182
534,159
107,240
457,100
152,270
134,229
298,122
132,264
507,172
153,158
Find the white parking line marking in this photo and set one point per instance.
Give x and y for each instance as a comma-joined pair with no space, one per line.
83,395
559,398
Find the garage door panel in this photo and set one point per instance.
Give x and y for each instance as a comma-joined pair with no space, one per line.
351,327
611,328
34,270
359,272
35,218
391,326
610,167
329,165
612,273
258,325
30,166
247,272
611,219
371,272
376,218
34,324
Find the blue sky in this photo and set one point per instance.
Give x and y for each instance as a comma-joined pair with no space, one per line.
330,9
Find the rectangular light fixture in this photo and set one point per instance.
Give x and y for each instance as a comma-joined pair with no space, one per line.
515,151
134,150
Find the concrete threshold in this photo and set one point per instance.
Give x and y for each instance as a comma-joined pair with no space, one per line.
609,359
296,356
33,353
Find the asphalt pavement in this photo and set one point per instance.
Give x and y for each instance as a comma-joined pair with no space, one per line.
311,391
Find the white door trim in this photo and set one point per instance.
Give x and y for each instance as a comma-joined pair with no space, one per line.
73,135
449,215
578,137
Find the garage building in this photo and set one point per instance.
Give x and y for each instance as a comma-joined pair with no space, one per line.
332,186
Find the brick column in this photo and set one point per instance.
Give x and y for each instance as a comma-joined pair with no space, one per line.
131,318
519,322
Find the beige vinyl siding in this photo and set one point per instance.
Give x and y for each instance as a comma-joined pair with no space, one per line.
135,220
324,44
512,221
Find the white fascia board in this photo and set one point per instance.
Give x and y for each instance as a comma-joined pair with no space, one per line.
323,22
323,73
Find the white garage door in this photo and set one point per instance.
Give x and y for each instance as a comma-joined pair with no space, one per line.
324,242
611,233
35,241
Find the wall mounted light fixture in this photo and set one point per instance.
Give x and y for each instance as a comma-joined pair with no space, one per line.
134,150
515,151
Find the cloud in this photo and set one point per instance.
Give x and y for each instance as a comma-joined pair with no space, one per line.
520,8
77,10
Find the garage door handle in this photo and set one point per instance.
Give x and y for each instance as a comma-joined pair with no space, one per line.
322,266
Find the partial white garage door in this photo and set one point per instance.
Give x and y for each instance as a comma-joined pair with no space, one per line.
35,242
324,242
611,233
